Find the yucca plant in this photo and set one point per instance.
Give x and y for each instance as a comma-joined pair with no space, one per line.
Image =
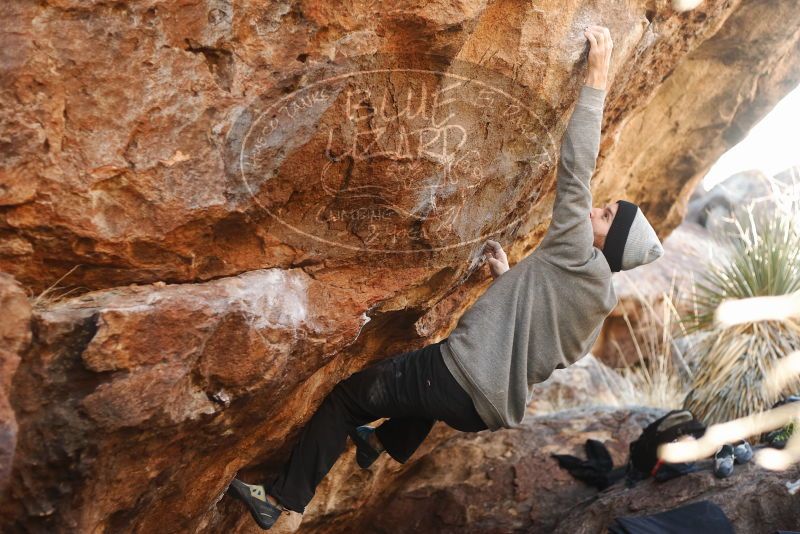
731,363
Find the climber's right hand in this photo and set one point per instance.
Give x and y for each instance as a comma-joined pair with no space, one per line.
496,257
600,46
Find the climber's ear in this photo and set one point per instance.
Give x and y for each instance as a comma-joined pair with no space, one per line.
613,208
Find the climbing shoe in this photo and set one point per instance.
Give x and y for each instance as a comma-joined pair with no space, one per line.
723,461
366,454
777,438
255,499
742,452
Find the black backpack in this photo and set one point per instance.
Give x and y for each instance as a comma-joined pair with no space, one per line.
643,458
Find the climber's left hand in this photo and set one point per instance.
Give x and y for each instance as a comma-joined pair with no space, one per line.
496,257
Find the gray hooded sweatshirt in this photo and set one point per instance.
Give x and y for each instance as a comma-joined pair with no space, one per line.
546,311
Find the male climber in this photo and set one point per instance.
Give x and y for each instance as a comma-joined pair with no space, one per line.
542,314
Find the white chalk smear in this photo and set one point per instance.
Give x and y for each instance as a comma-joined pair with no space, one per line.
685,5
274,298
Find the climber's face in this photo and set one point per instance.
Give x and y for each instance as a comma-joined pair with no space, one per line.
601,222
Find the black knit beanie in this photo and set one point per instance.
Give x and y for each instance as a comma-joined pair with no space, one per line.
618,234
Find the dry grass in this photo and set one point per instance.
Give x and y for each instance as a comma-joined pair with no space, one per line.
54,293
660,379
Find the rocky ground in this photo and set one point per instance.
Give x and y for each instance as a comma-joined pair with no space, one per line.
506,481
753,498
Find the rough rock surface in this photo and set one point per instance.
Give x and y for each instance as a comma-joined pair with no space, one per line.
292,267
144,401
121,143
15,334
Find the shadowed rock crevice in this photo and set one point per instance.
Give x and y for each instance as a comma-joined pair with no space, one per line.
220,63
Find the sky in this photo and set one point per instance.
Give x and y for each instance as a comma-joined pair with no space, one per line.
772,145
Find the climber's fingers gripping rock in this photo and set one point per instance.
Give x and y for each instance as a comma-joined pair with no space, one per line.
600,47
496,257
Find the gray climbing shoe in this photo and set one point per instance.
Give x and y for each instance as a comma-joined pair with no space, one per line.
365,453
723,462
255,499
742,452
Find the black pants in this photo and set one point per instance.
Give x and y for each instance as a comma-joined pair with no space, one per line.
413,389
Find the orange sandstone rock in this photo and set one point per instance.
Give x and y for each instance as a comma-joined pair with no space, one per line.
15,335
